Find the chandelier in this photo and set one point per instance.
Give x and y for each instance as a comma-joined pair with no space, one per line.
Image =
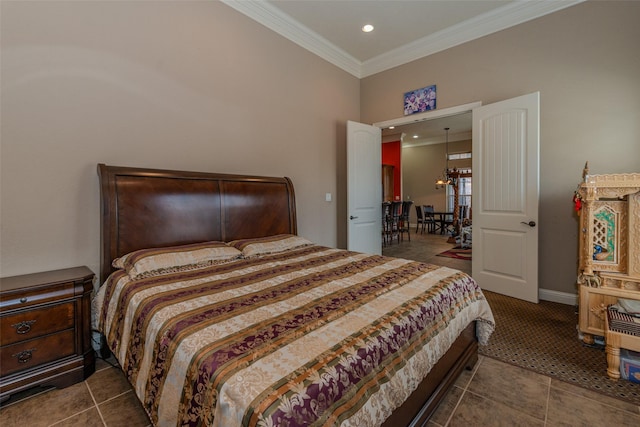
448,177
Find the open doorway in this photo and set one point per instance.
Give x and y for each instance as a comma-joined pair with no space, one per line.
505,143
424,150
423,155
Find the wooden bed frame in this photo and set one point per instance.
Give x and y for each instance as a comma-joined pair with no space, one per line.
147,208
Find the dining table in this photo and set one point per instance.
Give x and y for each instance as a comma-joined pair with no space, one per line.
442,219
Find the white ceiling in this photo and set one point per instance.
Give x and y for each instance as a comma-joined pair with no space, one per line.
396,22
431,131
405,30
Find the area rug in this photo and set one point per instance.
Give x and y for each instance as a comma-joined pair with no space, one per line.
543,338
457,253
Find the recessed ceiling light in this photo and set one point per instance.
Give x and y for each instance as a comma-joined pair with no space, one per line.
392,127
415,136
367,28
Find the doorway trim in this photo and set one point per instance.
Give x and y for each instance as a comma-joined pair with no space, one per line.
429,115
544,294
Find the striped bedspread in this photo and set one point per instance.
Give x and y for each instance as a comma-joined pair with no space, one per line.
310,336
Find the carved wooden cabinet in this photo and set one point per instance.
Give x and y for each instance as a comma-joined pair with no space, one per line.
45,329
609,247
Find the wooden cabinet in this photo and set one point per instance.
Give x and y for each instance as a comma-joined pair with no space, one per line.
609,246
45,332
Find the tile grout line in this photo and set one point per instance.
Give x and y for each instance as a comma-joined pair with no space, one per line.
519,411
83,411
464,391
119,395
69,417
97,406
595,400
455,408
546,409
502,403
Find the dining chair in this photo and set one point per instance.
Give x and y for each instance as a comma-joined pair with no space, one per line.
394,221
420,219
404,219
429,218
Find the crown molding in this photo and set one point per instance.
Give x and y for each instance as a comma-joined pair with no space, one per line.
499,19
272,18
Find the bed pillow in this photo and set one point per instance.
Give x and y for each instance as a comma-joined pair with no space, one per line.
152,262
269,245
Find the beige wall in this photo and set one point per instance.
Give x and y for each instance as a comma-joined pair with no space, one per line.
584,61
198,86
176,85
422,165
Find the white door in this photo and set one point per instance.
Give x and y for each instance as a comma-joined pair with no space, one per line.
364,188
506,140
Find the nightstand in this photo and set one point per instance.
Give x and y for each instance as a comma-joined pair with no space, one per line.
45,331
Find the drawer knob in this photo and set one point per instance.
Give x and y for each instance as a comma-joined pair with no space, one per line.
25,355
23,300
23,327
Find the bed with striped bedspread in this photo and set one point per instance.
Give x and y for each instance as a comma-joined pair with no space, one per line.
304,336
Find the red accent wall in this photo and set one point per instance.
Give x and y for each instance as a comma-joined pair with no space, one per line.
391,156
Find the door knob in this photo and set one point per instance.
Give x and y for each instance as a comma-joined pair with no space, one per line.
530,223
353,217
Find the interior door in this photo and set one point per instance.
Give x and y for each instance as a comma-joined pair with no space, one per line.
506,141
364,189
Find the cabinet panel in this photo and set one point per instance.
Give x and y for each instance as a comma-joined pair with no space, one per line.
607,227
592,310
30,324
29,354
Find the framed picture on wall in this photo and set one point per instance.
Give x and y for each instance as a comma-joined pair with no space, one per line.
420,100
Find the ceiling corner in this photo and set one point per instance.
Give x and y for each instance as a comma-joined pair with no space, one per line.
279,22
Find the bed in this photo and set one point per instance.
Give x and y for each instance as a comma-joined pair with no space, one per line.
220,314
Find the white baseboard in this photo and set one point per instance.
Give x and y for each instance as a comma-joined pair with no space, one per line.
556,296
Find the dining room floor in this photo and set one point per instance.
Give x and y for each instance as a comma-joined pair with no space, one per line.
425,247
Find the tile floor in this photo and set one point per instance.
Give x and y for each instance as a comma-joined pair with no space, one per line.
492,394
425,247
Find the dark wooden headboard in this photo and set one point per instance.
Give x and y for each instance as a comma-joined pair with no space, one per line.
149,208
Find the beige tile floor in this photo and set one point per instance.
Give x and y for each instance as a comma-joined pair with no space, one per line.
492,394
425,247
499,394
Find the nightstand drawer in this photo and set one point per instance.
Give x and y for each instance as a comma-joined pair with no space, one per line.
24,298
35,352
26,325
